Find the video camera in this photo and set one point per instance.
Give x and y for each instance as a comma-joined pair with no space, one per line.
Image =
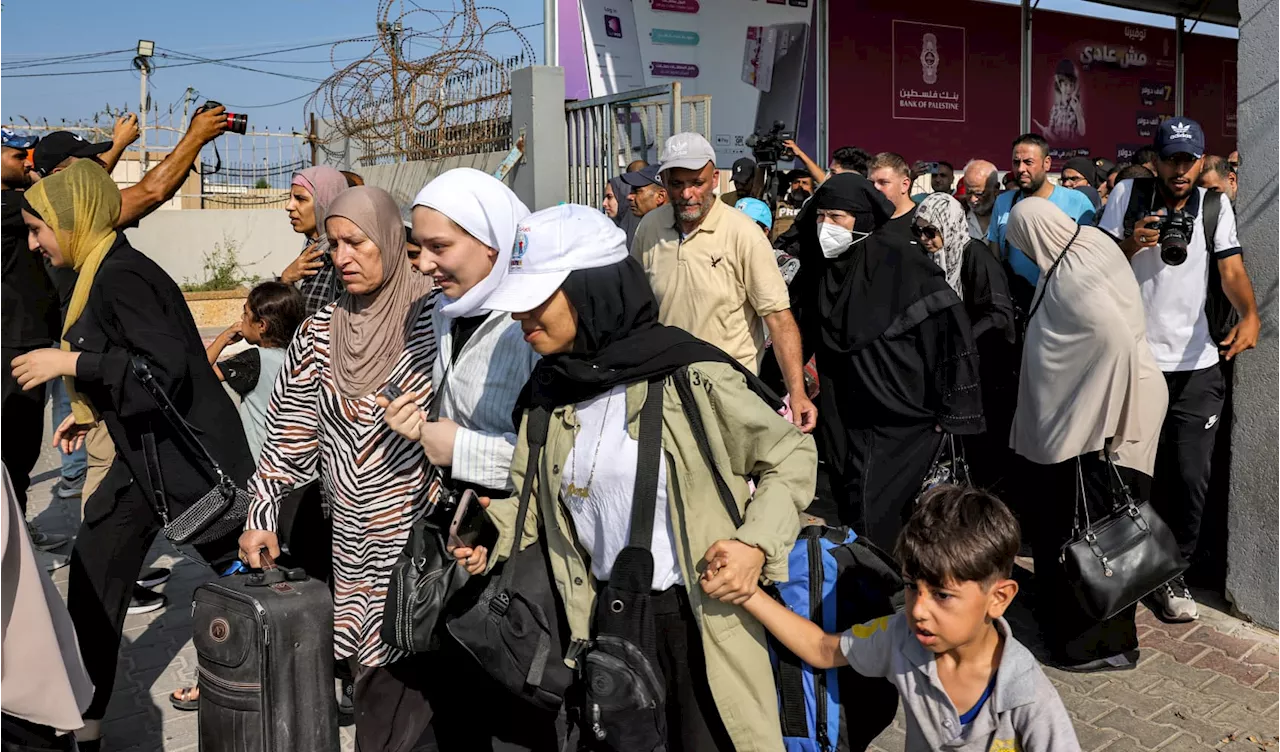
768,149
236,123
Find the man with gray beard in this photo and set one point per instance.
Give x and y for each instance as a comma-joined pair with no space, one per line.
715,275
981,186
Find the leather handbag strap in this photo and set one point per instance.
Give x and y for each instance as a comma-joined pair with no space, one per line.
685,390
536,434
143,373
151,458
644,499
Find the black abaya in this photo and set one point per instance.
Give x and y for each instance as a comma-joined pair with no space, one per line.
895,356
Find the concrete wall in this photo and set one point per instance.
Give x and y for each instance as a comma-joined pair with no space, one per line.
179,239
1253,514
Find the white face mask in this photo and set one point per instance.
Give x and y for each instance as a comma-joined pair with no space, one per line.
835,240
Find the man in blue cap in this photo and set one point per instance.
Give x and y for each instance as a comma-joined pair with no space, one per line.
1200,312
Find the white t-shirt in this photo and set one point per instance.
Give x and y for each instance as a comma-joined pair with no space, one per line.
1174,296
603,519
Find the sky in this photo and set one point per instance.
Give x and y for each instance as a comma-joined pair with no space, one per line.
259,33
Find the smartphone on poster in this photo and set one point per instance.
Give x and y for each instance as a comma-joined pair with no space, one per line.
471,526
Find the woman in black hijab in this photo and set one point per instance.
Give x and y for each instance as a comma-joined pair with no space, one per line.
586,306
897,364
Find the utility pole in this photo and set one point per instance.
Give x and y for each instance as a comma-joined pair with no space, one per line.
143,63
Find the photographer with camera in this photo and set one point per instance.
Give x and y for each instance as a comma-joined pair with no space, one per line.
1181,242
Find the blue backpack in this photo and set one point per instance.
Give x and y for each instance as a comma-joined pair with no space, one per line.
837,580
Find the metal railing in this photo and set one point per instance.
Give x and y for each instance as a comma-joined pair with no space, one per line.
607,133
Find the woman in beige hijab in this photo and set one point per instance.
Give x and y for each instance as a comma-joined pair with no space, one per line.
1089,384
45,687
324,418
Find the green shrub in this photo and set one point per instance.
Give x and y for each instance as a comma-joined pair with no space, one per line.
222,270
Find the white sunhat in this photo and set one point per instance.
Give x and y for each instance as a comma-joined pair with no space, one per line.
549,245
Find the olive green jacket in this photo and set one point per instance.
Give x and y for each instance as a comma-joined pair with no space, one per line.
747,439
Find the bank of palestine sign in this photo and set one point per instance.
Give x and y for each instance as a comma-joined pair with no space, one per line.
928,71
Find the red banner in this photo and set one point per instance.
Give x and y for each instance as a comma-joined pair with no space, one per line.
1098,87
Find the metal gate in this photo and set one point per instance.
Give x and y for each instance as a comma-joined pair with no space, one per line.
607,133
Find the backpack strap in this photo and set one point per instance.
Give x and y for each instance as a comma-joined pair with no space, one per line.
685,390
1209,211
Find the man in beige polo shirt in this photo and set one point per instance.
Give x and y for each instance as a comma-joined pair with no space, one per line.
714,273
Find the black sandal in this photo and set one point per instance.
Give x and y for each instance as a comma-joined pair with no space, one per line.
182,700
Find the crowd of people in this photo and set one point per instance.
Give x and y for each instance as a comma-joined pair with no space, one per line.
821,343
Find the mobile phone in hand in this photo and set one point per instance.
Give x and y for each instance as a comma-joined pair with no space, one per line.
471,526
391,392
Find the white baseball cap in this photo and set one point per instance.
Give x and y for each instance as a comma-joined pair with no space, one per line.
549,245
689,151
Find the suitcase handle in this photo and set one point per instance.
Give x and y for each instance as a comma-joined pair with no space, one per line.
272,573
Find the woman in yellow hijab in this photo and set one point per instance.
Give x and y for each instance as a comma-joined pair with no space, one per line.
124,307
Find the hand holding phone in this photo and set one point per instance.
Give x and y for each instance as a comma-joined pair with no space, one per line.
471,525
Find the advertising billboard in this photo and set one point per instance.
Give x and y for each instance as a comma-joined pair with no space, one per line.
751,57
940,81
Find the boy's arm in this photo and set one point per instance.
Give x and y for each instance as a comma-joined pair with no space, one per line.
1043,725
801,636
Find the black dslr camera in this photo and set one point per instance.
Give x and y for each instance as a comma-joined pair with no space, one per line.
236,123
768,149
1175,233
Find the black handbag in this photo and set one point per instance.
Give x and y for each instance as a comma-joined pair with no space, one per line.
424,576
423,579
624,691
514,629
1115,560
220,511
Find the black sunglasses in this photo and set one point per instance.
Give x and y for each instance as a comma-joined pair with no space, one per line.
924,232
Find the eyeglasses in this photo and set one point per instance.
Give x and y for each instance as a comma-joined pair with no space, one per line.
925,232
1074,180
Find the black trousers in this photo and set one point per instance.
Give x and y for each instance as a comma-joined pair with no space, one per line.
24,736
22,427
442,701
1185,456
882,476
111,546
1071,636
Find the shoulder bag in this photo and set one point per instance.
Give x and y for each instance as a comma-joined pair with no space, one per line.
1113,561
514,629
622,683
220,511
424,576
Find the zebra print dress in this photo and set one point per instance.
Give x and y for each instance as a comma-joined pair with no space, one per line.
374,480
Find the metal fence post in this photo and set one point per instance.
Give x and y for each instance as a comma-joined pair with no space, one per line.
675,108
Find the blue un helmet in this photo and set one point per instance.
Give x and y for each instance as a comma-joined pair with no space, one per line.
757,210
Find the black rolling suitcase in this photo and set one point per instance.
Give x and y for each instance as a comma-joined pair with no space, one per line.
265,647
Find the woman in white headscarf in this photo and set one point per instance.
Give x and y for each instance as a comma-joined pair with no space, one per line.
466,223
1089,384
976,275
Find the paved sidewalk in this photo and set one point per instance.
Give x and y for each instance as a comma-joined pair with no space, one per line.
1211,684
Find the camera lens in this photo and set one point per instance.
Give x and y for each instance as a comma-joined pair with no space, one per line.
237,123
1173,250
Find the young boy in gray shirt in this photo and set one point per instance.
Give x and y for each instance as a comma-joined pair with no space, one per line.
965,682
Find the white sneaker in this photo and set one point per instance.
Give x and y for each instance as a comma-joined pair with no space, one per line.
1175,602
